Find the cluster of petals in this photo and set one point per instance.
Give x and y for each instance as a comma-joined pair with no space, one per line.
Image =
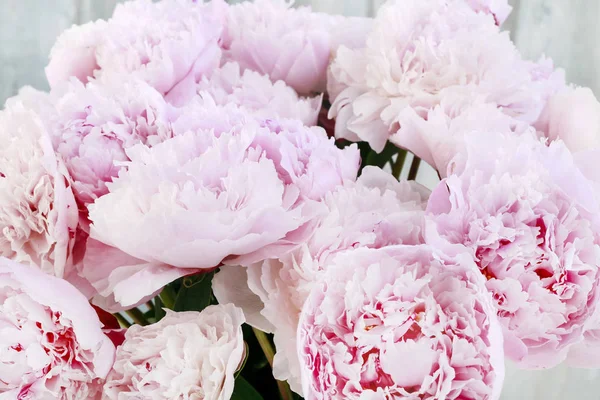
289,44
186,355
169,44
529,216
499,9
375,211
38,213
422,52
400,322
198,200
52,342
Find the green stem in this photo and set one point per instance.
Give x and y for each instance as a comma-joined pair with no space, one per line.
150,305
137,316
267,348
168,296
122,321
397,167
414,168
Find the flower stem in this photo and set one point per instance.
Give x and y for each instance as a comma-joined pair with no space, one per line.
122,321
137,316
168,296
267,348
397,166
414,168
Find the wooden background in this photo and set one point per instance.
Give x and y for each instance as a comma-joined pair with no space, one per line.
562,29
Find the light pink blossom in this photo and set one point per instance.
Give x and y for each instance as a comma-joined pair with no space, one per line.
530,218
421,52
257,94
400,322
375,211
93,125
51,338
573,116
38,213
186,355
499,9
169,44
289,44
238,197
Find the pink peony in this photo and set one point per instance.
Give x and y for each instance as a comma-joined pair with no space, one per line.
530,218
499,9
197,200
51,338
257,94
422,52
572,115
38,213
93,125
186,355
375,211
169,44
289,44
400,322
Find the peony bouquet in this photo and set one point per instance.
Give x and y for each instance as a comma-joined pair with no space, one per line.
207,204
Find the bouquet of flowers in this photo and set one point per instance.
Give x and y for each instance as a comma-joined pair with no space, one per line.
207,204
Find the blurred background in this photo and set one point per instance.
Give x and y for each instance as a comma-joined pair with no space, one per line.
564,30
561,29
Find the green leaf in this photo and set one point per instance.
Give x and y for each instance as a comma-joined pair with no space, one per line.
244,391
195,293
159,311
381,159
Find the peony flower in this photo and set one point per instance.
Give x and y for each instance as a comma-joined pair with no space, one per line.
289,44
169,44
438,138
186,355
376,211
257,94
573,116
499,9
93,125
198,200
422,52
530,218
400,322
38,213
51,338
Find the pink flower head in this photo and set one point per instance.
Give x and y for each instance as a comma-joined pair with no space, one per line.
400,322
186,355
422,52
375,211
38,213
51,338
199,199
573,116
530,218
169,44
257,94
289,44
499,9
94,124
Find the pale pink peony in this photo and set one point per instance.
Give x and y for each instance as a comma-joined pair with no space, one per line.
375,211
530,218
257,94
38,213
422,52
573,116
93,125
499,9
51,338
289,44
400,322
186,355
169,44
198,200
